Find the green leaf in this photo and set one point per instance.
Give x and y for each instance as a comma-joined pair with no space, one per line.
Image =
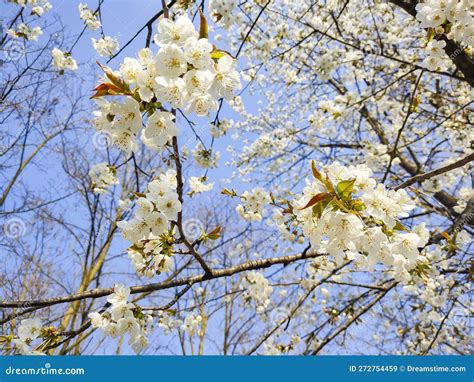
217,54
319,208
400,227
232,193
345,189
358,205
338,205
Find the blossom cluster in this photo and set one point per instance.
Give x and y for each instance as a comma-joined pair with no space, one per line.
149,229
253,205
105,46
435,55
257,289
222,11
453,17
102,177
197,185
120,121
38,8
89,17
25,31
348,215
205,158
187,72
124,317
63,60
191,324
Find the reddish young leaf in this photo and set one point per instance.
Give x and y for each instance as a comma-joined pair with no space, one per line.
317,198
105,89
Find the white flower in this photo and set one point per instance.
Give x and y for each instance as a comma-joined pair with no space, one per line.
128,325
227,79
38,11
197,185
170,61
102,177
436,47
223,11
170,90
169,205
198,53
158,222
221,127
201,104
382,204
120,295
205,158
145,207
134,230
191,323
97,320
21,346
105,46
407,244
198,81
138,343
145,80
130,68
174,32
120,310
111,329
62,60
160,128
29,329
163,263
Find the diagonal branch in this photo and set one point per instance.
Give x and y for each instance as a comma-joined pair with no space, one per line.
438,171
